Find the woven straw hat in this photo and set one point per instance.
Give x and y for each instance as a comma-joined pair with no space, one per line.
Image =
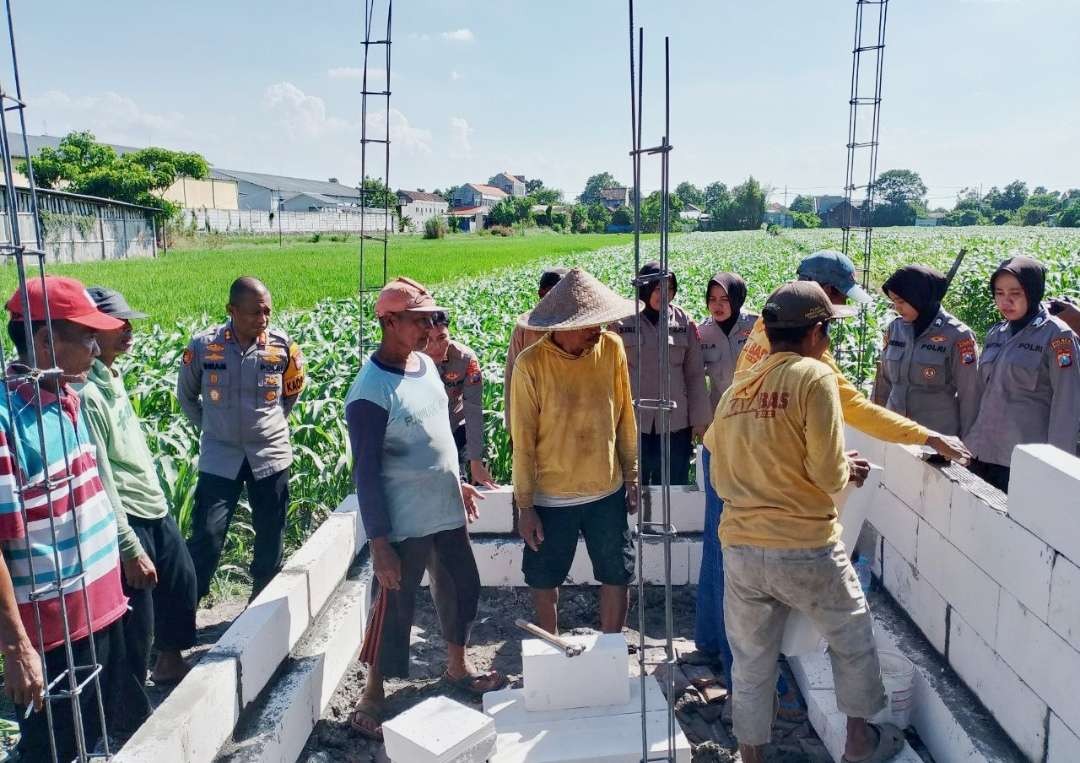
578,301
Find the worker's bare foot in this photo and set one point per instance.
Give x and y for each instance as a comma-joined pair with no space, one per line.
169,668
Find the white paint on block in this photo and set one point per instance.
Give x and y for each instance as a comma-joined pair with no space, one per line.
1043,494
971,591
439,730
1040,657
1012,703
507,706
1064,746
1065,602
1007,552
496,511
595,677
916,596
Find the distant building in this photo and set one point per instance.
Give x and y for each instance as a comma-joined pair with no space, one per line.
822,204
477,195
258,190
511,185
779,215
469,219
842,215
690,212
932,219
613,198
420,206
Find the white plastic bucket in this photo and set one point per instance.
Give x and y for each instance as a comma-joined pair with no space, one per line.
898,675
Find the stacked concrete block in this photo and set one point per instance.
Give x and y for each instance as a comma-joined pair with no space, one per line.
1063,745
1065,601
1043,496
496,511
919,599
595,677
439,730
325,557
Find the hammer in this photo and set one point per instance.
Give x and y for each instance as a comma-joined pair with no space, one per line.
571,650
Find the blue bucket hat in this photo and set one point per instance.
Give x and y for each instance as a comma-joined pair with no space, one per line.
831,268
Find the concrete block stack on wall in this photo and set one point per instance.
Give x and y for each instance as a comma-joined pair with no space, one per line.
997,593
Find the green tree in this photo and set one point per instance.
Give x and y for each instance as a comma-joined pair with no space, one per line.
805,220
532,186
522,209
88,167
1014,196
1038,208
900,187
594,185
803,204
1070,216
376,194
688,193
747,208
579,222
622,216
544,195
651,209
448,194
965,216
503,213
599,218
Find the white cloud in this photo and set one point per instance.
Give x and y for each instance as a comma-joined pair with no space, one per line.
421,37
110,116
402,134
460,131
302,115
459,35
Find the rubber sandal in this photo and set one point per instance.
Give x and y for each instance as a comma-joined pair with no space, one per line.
477,684
372,729
890,743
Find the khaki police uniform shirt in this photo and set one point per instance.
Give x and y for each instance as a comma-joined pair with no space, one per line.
932,378
240,399
464,383
687,388
1030,390
720,352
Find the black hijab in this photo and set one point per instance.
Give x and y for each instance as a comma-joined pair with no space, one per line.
735,287
646,289
1032,277
921,287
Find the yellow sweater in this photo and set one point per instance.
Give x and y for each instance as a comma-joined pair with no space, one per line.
859,411
572,421
777,445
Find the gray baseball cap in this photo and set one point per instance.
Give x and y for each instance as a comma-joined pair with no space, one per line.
111,302
801,303
832,268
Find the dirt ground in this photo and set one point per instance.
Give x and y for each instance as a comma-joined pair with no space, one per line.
496,643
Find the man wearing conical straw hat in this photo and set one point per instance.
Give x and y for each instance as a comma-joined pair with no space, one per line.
575,446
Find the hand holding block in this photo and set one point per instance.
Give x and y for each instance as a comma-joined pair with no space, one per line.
593,678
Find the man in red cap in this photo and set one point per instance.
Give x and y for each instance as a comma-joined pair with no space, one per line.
80,536
412,503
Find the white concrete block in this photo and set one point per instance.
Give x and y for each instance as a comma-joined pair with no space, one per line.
1065,601
611,739
439,730
350,506
687,508
292,588
905,473
944,736
831,725
581,570
895,521
345,621
1042,659
496,511
870,447
967,588
507,706
597,676
499,562
325,558
1012,556
1043,494
259,639
1013,704
1064,745
654,563
936,505
923,604
694,573
192,724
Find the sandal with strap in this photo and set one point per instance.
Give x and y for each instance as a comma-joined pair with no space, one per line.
477,684
366,723
890,743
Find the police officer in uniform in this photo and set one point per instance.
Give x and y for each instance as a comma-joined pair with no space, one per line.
237,384
928,370
464,382
724,332
1029,375
692,413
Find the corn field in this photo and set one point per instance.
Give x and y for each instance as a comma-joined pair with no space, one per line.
483,312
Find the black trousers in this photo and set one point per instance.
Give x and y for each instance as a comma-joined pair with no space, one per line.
996,474
215,502
682,452
164,615
455,588
126,703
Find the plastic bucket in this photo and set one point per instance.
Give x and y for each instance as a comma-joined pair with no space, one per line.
898,675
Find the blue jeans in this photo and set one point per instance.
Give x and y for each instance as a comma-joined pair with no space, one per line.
710,635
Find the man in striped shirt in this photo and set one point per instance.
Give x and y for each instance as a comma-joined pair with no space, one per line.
56,448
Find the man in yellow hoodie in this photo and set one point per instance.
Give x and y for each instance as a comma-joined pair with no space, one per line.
575,447
777,445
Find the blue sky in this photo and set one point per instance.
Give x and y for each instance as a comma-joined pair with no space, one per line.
975,92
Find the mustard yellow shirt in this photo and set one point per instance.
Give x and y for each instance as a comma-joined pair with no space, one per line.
572,421
777,445
859,411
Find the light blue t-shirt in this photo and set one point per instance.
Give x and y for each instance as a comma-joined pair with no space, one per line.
419,460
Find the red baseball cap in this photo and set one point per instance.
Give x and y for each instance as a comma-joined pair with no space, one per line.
405,295
68,301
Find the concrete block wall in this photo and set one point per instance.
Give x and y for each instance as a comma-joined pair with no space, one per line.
997,593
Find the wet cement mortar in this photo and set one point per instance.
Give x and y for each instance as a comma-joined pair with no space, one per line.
496,643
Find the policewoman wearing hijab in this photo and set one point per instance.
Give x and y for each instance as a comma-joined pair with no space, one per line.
1029,377
692,413
723,335
929,366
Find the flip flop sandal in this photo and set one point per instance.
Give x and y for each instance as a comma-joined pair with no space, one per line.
366,724
478,684
890,743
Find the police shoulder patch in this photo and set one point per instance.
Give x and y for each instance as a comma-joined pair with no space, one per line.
188,356
966,348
